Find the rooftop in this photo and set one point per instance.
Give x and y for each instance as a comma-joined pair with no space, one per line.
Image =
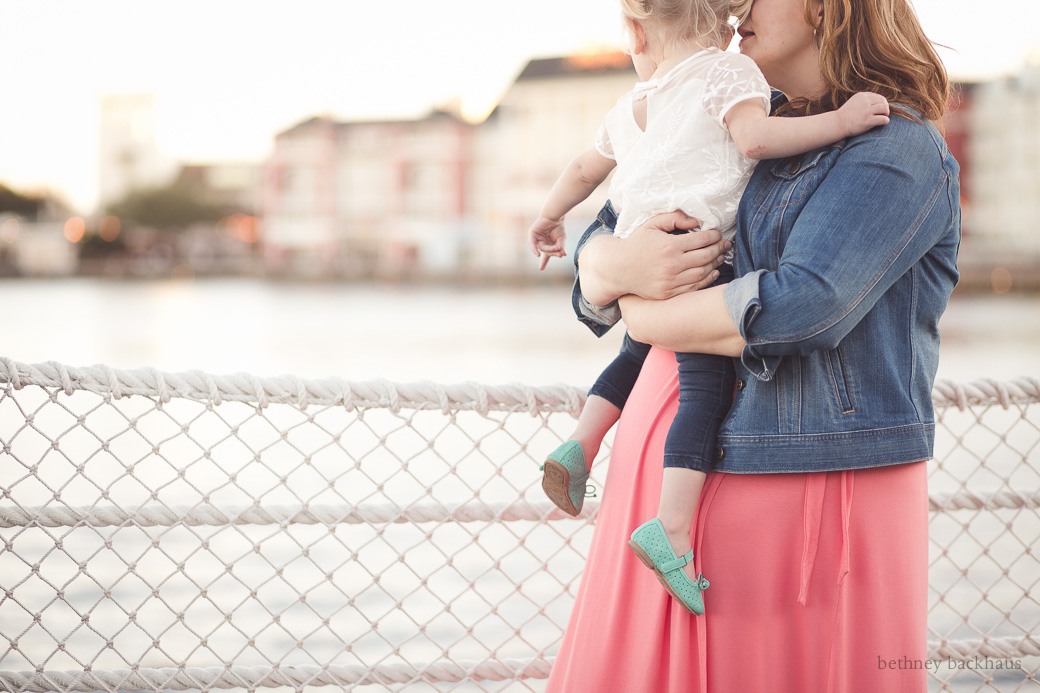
609,62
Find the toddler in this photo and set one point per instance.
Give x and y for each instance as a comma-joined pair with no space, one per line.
684,138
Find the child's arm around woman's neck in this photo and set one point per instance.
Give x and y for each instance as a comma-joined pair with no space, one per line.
760,137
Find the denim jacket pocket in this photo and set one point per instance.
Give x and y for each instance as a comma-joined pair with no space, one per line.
794,166
839,379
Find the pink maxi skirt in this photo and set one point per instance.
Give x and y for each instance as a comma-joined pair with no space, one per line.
818,580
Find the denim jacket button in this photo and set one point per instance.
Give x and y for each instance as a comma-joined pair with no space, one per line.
719,453
740,385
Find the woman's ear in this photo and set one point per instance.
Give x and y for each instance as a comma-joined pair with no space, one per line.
817,12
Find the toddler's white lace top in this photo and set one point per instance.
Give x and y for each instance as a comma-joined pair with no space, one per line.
686,158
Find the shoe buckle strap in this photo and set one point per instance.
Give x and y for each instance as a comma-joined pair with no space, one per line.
669,566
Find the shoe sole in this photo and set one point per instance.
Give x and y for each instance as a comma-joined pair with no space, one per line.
555,482
649,563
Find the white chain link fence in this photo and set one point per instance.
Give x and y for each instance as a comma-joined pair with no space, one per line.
192,532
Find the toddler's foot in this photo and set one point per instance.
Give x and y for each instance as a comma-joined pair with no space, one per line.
564,477
651,545
680,543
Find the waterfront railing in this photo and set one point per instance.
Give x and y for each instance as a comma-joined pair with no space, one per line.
186,531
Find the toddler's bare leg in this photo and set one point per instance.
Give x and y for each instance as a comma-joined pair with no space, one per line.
680,493
597,417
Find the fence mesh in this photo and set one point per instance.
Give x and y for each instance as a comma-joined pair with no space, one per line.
188,532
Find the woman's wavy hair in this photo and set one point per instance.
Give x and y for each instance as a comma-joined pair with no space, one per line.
877,46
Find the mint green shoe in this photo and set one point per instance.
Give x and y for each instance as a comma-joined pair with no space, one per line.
565,475
651,545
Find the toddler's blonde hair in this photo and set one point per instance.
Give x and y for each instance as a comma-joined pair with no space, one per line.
705,20
741,9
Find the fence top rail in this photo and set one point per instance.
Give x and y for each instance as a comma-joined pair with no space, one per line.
381,394
290,389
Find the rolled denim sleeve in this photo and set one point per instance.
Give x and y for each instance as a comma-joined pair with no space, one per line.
599,319
744,305
890,197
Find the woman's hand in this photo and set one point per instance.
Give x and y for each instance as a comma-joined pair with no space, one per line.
651,262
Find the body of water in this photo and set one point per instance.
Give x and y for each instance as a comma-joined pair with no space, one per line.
400,333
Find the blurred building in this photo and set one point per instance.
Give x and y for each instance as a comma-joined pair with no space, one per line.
999,154
44,250
438,196
435,195
128,154
1004,151
368,198
549,115
33,237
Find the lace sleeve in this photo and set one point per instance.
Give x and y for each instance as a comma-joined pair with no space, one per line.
603,142
733,78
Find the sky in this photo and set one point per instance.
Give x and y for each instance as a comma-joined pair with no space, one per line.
229,74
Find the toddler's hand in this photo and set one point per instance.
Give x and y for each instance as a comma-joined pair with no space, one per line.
546,237
862,112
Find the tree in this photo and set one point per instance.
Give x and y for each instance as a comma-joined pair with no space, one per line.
22,205
173,207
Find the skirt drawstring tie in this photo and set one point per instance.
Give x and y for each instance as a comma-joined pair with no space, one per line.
812,517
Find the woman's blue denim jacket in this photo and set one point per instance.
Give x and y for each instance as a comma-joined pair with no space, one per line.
845,260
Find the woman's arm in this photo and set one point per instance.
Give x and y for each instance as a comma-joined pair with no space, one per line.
891,196
885,203
657,322
651,262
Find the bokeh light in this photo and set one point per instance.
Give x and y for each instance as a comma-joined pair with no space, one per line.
9,230
75,228
242,227
109,228
1001,280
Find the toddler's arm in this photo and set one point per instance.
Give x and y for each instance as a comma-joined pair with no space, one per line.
760,137
578,180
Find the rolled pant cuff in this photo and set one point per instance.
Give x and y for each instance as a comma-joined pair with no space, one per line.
697,464
610,393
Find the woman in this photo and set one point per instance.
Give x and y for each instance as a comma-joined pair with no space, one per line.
813,528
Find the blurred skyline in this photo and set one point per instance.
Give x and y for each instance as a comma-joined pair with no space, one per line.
227,76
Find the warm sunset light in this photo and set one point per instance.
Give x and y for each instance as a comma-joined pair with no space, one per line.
599,60
75,227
